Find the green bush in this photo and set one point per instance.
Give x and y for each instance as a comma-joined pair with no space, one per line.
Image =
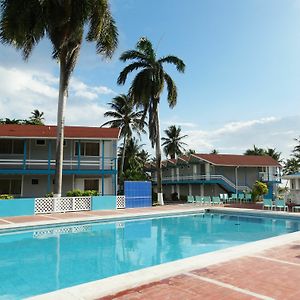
183,198
79,193
5,196
259,189
49,195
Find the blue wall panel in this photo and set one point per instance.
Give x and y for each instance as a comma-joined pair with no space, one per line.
17,207
138,193
104,202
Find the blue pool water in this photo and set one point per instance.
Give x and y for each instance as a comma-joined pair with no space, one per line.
42,260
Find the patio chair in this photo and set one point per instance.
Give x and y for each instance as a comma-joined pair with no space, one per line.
225,198
241,197
199,200
248,198
296,207
233,198
190,199
268,203
206,200
280,203
216,200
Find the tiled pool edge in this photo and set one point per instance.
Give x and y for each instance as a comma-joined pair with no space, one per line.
115,284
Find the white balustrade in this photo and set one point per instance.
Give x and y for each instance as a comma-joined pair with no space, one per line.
121,201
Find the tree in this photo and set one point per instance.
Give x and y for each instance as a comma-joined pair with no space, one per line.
189,152
214,151
255,151
274,154
125,118
37,118
296,150
259,189
11,121
146,89
291,166
25,23
173,145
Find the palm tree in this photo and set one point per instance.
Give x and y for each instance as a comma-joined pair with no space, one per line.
274,154
11,121
146,89
291,166
25,23
189,152
214,151
37,117
125,118
173,145
255,151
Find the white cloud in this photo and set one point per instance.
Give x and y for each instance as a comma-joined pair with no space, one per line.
22,91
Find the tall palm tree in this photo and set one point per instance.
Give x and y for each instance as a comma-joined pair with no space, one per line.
214,151
25,23
255,151
173,145
125,118
11,121
146,89
37,117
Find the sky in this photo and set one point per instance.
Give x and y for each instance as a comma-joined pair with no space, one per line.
241,85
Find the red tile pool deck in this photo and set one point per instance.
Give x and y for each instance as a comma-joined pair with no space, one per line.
269,274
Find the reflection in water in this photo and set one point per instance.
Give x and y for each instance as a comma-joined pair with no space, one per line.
41,261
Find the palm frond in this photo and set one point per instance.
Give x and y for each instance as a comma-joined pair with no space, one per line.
171,59
172,90
134,66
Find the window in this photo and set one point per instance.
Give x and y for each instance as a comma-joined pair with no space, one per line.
34,181
11,146
10,186
40,142
91,184
88,149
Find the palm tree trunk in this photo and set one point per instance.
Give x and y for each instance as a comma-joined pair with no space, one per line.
160,197
62,99
123,155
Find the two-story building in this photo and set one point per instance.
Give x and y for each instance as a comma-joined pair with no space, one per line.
27,159
214,174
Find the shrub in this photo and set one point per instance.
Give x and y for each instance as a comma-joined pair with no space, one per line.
259,189
5,196
49,195
79,193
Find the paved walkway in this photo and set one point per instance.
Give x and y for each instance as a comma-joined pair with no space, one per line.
272,274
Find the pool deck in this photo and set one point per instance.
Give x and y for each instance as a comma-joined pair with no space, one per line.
266,269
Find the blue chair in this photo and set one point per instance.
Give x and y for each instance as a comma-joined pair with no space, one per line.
241,197
190,199
206,200
199,199
233,198
268,203
216,200
248,198
280,203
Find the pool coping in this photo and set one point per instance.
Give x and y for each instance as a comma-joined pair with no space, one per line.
112,285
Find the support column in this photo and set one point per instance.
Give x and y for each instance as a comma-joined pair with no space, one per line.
178,190
78,154
24,154
102,168
194,171
49,168
172,173
202,190
190,190
177,173
207,171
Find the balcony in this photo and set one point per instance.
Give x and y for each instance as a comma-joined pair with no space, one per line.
103,163
208,179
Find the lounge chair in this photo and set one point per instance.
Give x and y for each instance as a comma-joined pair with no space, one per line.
280,203
233,198
225,198
199,200
296,207
190,199
241,197
206,200
268,203
216,200
248,198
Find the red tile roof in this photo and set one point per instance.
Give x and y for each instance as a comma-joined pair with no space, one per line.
238,160
45,131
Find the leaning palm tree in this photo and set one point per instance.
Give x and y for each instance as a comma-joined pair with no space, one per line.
125,118
146,89
24,23
173,145
291,166
274,154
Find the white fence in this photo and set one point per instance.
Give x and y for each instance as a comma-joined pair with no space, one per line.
62,204
121,203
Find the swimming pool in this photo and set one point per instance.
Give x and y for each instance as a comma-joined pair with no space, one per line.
42,260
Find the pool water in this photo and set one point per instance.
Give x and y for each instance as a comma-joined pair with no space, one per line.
43,260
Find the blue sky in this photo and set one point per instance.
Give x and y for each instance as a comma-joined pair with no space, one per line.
241,84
